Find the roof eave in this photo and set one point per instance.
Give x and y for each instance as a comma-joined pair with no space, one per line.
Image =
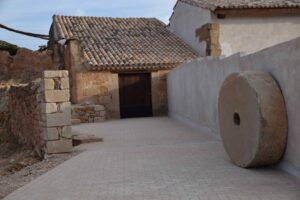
224,12
140,67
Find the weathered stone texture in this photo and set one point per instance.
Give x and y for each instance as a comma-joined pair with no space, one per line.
50,134
159,93
97,88
56,120
253,119
57,96
209,33
89,113
59,146
40,117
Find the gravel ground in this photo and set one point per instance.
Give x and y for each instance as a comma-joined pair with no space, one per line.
15,172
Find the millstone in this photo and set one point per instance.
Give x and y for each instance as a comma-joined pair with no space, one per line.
252,119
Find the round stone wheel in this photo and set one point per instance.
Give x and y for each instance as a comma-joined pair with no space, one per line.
252,119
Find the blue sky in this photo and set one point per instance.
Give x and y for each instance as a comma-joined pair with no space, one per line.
36,15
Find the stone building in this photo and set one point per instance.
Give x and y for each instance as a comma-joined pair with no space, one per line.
120,63
214,27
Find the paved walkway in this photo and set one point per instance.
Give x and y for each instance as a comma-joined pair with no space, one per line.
155,159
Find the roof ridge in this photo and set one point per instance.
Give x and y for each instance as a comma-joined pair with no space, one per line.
242,4
104,17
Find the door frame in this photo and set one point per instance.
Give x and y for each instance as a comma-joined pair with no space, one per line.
149,73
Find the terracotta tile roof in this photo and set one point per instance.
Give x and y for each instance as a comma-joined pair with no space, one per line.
242,4
121,42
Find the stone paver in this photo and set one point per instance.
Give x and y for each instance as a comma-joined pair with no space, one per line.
155,159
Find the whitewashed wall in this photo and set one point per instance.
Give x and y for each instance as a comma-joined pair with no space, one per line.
251,34
184,22
193,90
237,34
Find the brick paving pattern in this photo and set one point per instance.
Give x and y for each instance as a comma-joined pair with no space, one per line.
155,159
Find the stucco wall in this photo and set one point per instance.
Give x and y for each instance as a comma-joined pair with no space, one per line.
251,34
184,23
193,90
237,34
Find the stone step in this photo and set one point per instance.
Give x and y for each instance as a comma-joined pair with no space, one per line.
76,121
85,138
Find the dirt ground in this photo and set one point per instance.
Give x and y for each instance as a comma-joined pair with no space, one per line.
19,166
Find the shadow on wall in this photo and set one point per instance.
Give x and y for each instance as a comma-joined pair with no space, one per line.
193,89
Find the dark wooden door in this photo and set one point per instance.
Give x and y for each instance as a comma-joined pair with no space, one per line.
135,95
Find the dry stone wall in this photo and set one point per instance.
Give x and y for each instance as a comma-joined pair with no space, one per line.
88,113
5,136
97,88
25,66
25,117
40,113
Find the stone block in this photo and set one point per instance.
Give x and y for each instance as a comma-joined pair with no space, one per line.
52,96
102,113
65,73
105,99
99,119
65,107
57,119
85,138
99,107
59,146
252,119
50,134
76,121
56,74
64,83
66,132
47,84
48,107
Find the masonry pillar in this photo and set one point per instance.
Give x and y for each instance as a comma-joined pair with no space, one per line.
56,112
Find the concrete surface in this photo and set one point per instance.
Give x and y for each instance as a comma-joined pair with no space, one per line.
155,159
193,91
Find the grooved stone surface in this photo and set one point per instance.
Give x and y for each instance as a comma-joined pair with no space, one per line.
253,119
155,159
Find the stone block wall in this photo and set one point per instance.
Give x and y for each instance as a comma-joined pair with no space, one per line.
88,113
97,88
55,106
40,113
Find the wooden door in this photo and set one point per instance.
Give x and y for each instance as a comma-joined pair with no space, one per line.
135,95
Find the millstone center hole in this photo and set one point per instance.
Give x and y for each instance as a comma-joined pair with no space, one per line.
236,119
